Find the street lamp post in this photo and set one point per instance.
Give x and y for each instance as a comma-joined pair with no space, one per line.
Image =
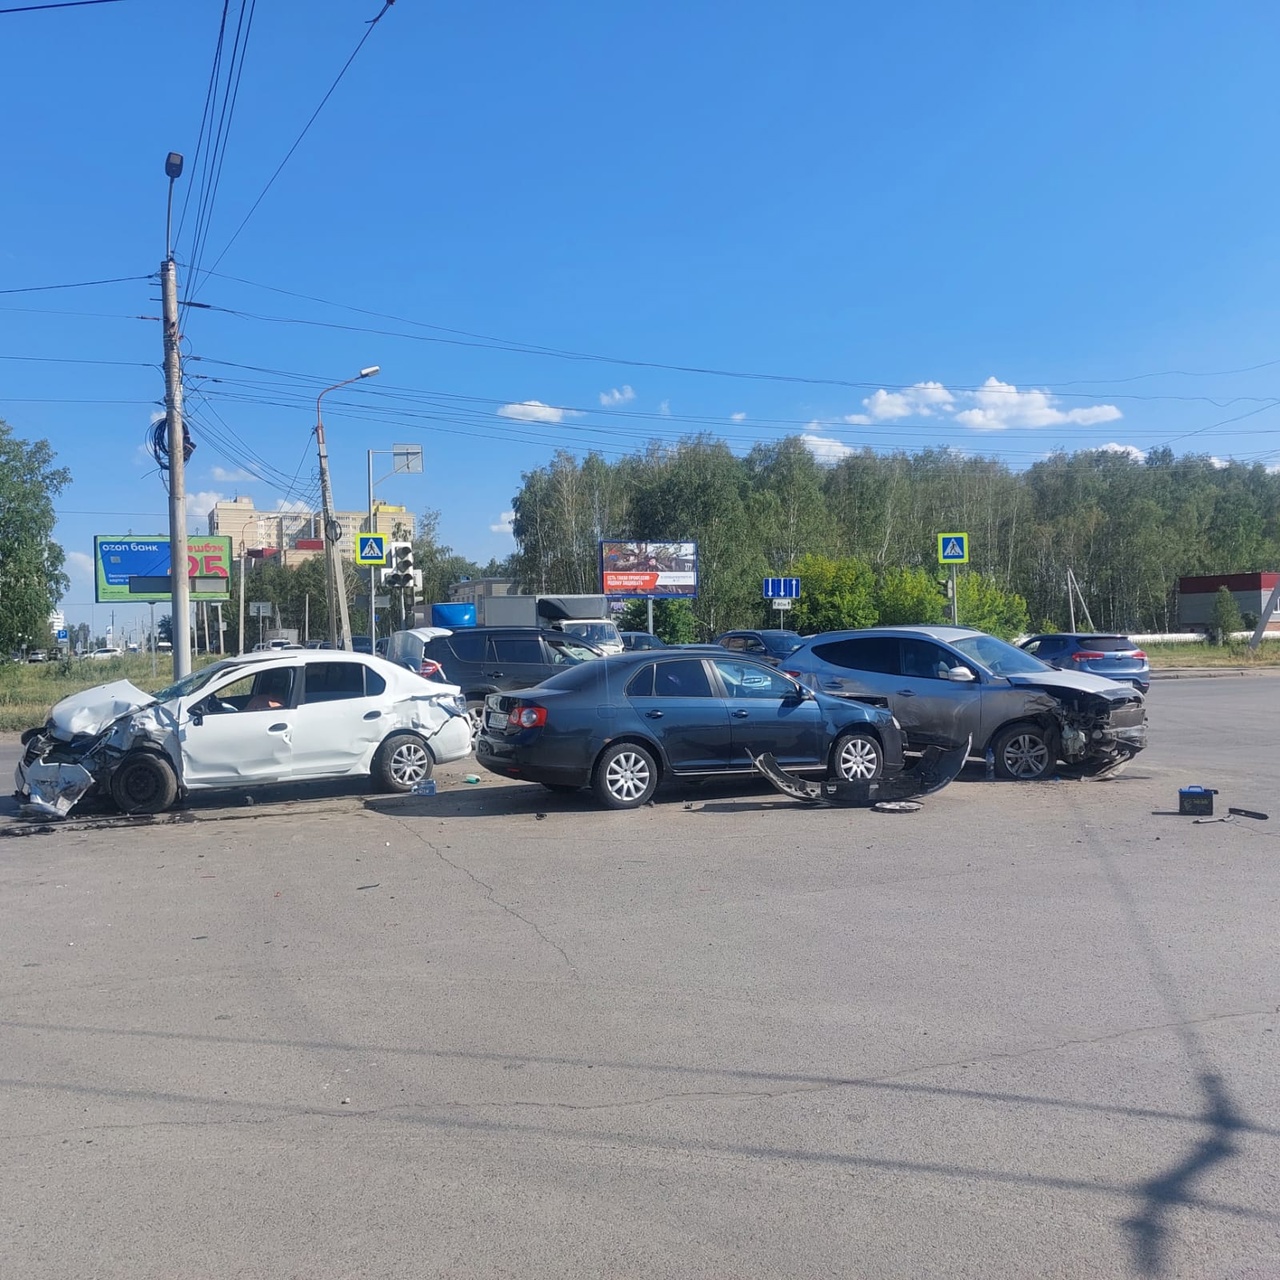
335,587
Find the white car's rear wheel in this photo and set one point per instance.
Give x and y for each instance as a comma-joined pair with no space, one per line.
403,760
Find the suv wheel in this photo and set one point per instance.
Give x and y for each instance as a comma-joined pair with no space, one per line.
1024,752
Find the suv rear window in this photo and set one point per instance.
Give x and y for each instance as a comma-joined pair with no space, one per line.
468,646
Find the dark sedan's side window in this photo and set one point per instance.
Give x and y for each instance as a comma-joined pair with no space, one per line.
747,680
683,678
641,685
865,653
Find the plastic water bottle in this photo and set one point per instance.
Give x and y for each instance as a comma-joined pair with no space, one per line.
427,787
991,765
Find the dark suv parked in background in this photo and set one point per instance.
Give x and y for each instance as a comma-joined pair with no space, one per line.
485,660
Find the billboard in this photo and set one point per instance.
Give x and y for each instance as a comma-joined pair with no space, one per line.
118,559
657,569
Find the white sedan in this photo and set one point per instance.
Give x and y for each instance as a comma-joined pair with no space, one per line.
261,718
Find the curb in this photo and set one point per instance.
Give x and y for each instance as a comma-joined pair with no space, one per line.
1210,673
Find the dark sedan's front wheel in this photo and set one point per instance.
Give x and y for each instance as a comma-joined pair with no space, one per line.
857,757
626,776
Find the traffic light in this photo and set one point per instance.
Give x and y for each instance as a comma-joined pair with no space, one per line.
399,572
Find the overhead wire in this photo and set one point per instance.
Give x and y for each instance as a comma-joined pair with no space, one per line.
79,284
305,129
206,115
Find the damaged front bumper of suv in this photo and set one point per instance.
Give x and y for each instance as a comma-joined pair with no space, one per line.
1099,735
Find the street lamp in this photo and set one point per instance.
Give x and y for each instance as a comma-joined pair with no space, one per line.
335,587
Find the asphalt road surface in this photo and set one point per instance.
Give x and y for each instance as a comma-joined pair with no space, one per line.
1029,1031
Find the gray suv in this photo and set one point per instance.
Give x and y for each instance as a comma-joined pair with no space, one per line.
485,660
945,684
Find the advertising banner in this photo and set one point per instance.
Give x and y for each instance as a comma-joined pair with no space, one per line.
116,560
662,570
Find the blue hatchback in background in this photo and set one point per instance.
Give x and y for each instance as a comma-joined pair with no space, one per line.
1113,657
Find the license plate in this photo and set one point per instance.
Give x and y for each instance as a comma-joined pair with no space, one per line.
496,720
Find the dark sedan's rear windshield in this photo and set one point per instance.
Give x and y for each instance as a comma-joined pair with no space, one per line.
578,676
1107,644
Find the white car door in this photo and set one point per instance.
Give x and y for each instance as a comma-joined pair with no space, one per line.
340,718
241,729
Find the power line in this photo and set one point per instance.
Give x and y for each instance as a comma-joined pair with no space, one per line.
80,284
206,115
61,4
305,128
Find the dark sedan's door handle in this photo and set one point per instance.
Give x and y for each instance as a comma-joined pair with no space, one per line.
741,715
277,728
906,693
496,674
372,715
653,715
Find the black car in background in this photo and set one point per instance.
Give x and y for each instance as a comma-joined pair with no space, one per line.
485,660
623,723
768,646
632,640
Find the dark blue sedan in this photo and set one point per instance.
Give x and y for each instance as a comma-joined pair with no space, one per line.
1113,657
623,723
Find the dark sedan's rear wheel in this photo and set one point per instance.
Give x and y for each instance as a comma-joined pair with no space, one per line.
857,757
626,776
144,783
1024,752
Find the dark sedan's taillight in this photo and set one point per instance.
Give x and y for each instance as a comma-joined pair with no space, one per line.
527,717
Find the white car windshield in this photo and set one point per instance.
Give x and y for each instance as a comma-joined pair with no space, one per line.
190,684
999,658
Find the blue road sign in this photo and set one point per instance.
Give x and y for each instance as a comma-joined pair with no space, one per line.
371,548
782,588
62,634
953,548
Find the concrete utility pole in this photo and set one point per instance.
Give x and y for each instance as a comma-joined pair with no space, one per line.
335,585
179,584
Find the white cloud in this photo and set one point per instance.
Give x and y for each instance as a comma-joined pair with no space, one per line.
922,400
737,417
1129,450
619,395
294,505
994,406
80,565
200,504
664,408
825,450
999,405
239,475
505,521
536,411
1218,464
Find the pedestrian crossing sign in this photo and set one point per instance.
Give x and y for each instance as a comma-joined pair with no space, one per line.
953,548
371,548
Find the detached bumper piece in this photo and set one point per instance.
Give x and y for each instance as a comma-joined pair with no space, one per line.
937,767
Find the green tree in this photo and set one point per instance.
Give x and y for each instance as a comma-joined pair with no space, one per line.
987,606
673,620
1225,617
905,596
835,594
31,576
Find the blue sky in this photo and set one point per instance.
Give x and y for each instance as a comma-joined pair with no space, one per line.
1003,227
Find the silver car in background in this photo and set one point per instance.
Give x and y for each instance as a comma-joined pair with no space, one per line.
945,684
